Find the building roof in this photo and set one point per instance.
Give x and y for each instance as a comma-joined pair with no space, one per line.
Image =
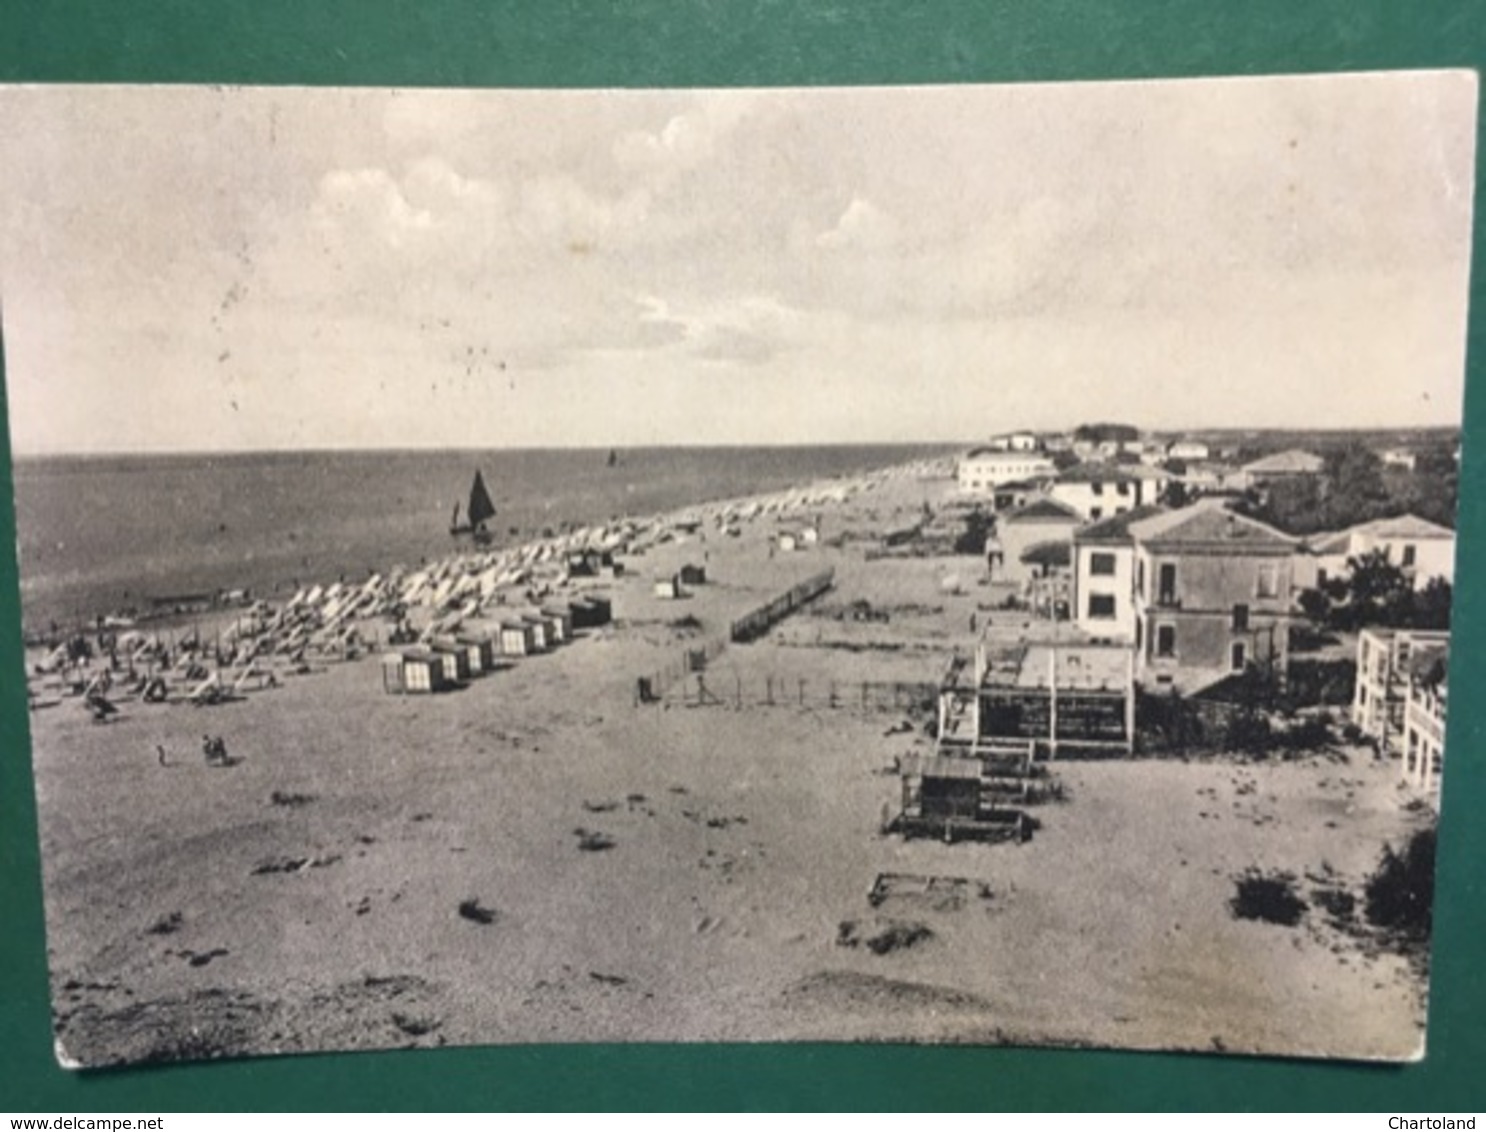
1097,472
1209,524
1043,509
1117,527
1294,461
1400,527
1052,553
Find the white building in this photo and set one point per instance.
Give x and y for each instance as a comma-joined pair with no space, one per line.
1385,659
981,470
1399,458
1190,450
1103,597
1424,719
1421,549
1101,491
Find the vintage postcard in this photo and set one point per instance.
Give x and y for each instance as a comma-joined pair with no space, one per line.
959,564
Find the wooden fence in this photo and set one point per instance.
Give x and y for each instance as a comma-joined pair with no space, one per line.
722,689
754,624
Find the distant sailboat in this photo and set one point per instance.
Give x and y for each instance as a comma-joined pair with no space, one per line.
480,511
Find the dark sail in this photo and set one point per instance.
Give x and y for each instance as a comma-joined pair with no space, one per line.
481,508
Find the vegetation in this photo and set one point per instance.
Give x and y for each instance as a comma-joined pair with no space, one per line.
1097,433
1400,893
1267,897
1355,487
1376,592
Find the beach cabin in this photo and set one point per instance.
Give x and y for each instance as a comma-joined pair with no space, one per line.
561,621
693,575
541,637
591,612
668,588
517,638
414,671
456,659
787,541
478,650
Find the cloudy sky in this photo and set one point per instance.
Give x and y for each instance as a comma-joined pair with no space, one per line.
192,268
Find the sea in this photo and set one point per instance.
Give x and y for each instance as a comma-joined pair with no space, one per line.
101,535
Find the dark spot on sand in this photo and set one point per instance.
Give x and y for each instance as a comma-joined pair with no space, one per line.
593,841
476,912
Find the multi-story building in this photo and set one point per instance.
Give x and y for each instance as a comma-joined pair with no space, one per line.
1424,718
1421,549
1099,491
1380,695
1103,597
982,470
1212,596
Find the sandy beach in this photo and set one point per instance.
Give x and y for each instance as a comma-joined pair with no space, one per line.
538,857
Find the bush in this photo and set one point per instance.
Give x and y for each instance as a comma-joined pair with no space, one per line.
1400,893
1269,898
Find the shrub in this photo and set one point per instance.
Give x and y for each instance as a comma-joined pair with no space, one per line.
1400,892
1270,898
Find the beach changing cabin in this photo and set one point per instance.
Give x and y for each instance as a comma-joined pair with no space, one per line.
693,575
414,671
591,612
541,631
455,657
561,621
517,638
479,651
668,588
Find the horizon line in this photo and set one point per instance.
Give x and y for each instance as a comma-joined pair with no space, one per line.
115,453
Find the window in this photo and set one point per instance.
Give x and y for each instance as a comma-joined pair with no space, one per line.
1122,488
1166,640
1269,580
1096,512
1166,584
1409,552
1240,656
1096,487
1101,606
1140,576
1240,618
1102,563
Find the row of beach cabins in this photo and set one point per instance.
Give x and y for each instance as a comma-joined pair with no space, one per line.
448,660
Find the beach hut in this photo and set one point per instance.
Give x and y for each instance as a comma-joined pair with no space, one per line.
693,575
810,536
456,659
590,612
517,638
474,663
562,623
414,671
542,640
786,541
668,588
482,649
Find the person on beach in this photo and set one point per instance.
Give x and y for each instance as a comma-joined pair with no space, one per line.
160,754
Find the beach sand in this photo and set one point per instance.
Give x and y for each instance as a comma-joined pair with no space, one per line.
537,857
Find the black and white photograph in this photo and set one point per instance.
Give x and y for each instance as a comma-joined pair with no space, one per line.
947,564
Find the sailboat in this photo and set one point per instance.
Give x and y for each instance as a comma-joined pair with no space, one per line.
480,511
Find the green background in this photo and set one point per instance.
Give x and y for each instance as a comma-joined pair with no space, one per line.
737,43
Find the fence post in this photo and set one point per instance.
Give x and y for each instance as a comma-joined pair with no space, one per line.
738,689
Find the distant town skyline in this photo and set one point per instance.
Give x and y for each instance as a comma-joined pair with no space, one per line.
194,269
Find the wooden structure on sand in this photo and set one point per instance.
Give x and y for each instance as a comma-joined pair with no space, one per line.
1050,697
